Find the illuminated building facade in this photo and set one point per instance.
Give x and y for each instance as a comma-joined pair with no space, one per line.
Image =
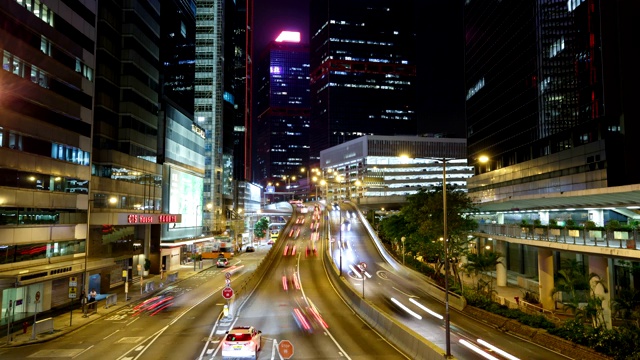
46,101
281,137
363,71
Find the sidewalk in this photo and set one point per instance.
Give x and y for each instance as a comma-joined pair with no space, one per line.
66,322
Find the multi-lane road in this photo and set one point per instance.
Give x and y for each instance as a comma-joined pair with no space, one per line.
295,301
401,294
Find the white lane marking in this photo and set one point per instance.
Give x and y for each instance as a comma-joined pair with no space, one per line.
108,336
83,351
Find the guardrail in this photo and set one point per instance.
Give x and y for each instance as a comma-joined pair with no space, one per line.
602,238
111,299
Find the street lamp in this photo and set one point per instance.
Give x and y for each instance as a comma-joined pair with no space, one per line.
403,239
315,178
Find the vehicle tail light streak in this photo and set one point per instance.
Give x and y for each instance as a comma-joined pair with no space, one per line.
291,233
285,283
496,349
286,250
409,311
296,281
301,320
435,314
477,350
317,317
293,250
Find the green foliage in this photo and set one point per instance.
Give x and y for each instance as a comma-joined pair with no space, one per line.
147,264
590,225
553,222
621,342
531,297
260,228
483,263
537,223
570,223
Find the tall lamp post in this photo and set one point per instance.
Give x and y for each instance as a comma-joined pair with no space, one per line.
446,259
403,239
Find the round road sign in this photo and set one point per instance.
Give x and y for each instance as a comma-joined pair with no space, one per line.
227,293
227,275
285,349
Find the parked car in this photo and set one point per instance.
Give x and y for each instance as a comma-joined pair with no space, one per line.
250,249
222,262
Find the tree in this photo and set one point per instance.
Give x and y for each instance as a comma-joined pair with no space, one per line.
583,302
483,264
421,222
260,228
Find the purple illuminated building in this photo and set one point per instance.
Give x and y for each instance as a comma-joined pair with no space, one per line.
281,123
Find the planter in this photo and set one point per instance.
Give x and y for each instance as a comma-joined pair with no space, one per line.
145,273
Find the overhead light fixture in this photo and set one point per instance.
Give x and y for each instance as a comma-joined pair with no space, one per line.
633,207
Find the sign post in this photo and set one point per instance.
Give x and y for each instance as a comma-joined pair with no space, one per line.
363,266
285,349
73,294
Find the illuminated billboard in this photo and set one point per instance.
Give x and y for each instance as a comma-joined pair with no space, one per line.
185,197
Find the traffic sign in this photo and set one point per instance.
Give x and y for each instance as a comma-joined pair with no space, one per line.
73,292
227,293
73,281
285,349
227,275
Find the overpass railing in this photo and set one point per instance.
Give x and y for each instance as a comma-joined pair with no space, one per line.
623,239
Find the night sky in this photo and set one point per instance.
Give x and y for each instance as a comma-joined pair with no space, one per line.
440,55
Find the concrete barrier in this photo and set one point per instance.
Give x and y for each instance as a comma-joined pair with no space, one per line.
42,326
111,299
412,344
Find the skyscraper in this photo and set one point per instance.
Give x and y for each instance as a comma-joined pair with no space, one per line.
362,70
46,102
549,91
208,101
281,136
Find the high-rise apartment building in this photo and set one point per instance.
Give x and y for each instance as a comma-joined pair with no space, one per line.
549,91
46,101
281,124
363,70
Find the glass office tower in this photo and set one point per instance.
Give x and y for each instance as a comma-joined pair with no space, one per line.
549,88
281,137
362,70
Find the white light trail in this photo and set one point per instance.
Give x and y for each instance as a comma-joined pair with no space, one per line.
499,351
417,316
435,314
477,350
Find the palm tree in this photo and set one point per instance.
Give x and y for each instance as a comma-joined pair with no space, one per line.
627,304
583,302
483,264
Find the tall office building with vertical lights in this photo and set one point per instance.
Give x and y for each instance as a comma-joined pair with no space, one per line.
549,91
281,137
208,101
363,70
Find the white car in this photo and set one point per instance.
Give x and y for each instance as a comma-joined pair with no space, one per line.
346,225
241,342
